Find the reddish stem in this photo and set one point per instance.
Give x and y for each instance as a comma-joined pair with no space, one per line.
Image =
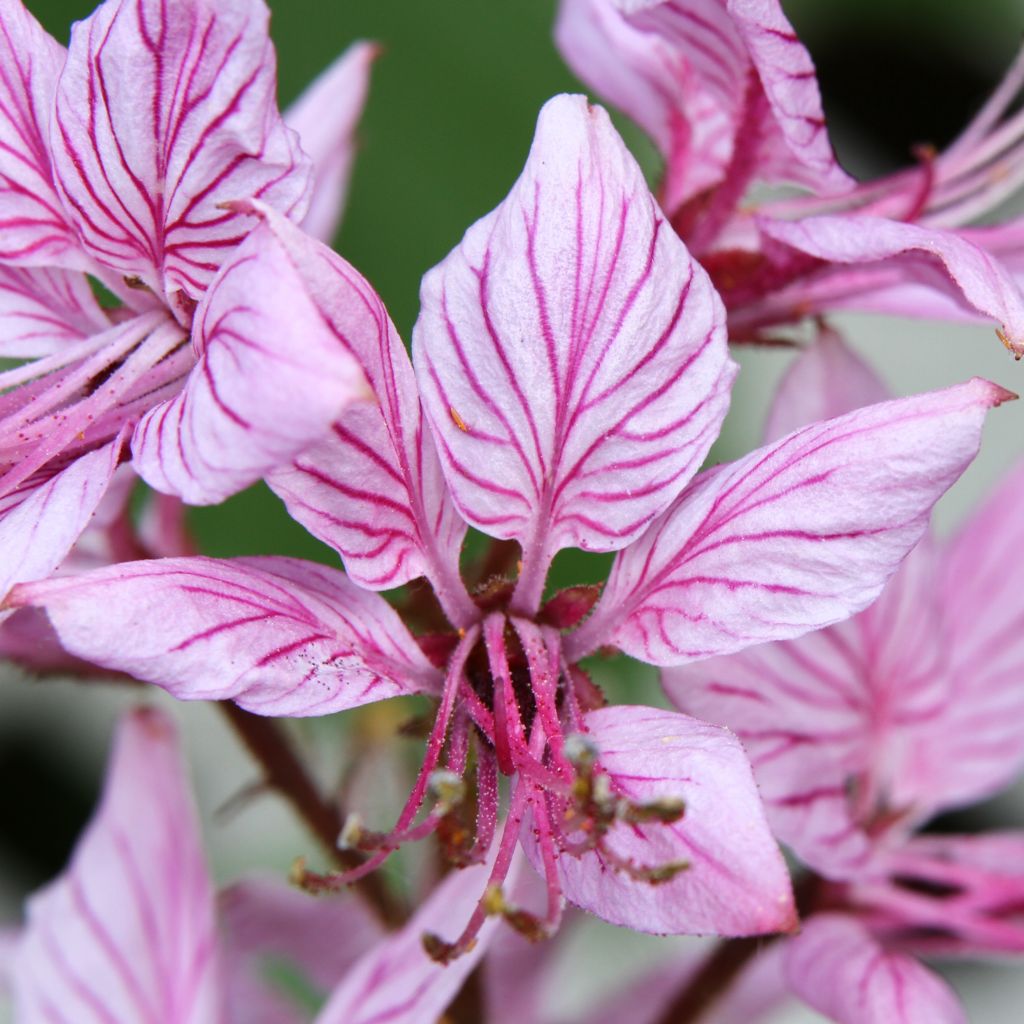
284,773
713,979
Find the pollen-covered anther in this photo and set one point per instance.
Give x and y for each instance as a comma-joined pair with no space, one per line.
447,788
529,925
665,810
581,752
443,952
653,874
351,833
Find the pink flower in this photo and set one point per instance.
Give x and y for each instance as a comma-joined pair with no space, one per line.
120,161
860,733
133,931
572,368
730,97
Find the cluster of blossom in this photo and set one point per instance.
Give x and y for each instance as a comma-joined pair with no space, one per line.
172,312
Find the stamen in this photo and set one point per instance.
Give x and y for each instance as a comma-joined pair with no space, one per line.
402,832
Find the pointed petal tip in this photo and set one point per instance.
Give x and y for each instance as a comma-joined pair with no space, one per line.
995,394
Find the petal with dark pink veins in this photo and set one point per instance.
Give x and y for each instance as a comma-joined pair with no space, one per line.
278,636
37,533
838,968
164,112
736,882
272,376
42,310
571,354
918,259
34,226
791,538
127,932
372,488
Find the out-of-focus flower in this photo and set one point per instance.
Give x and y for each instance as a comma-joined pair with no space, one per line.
730,97
120,161
133,931
572,366
862,732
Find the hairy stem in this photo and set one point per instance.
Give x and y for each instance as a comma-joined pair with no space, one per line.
284,773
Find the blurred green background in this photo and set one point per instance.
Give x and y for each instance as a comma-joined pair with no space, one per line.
451,112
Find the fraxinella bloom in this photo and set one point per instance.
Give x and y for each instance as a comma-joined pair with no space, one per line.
730,97
120,161
862,732
133,930
572,368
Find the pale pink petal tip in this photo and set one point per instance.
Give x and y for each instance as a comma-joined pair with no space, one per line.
325,117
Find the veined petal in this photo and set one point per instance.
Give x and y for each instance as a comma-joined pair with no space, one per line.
325,117
127,933
979,745
397,982
651,80
954,895
37,533
164,112
736,882
373,487
826,380
717,84
570,353
278,636
935,259
266,921
802,151
834,721
42,309
838,968
796,536
34,226
272,376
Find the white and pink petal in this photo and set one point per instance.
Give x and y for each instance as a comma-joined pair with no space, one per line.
325,117
372,488
917,260
44,309
127,933
735,882
272,375
38,531
34,226
164,112
837,967
570,353
397,982
979,745
795,536
278,636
